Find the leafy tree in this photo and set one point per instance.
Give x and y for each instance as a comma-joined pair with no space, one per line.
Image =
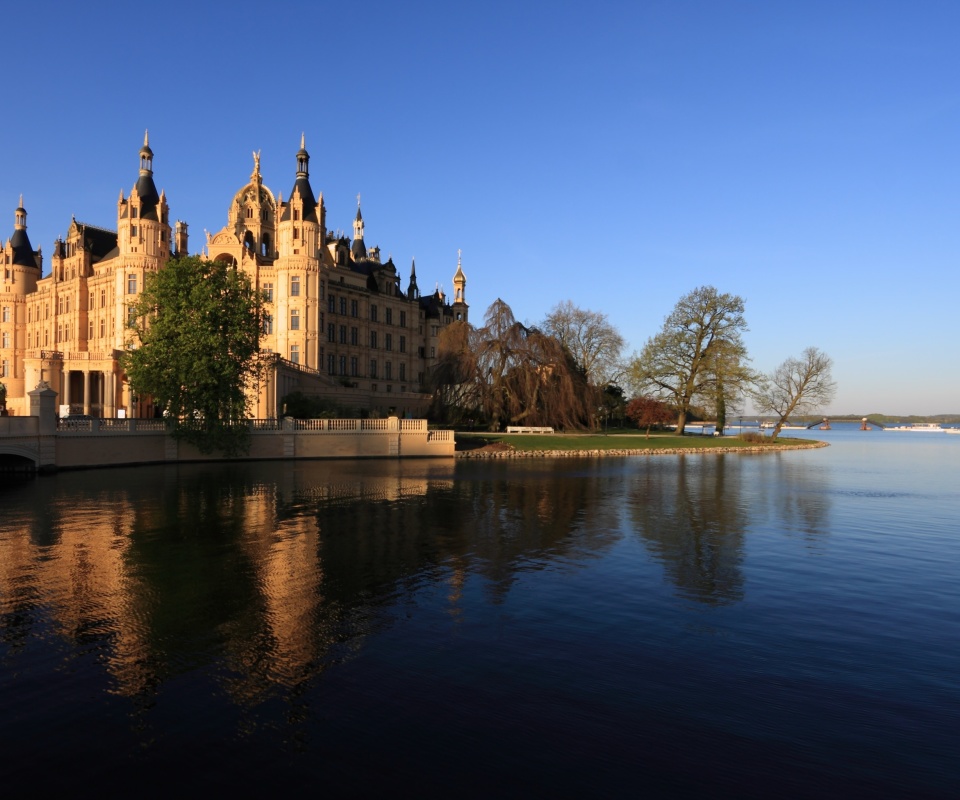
591,338
699,341
732,379
613,403
798,385
648,411
196,332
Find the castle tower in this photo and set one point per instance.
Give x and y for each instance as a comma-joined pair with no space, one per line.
142,224
358,247
21,269
459,293
180,238
413,291
301,227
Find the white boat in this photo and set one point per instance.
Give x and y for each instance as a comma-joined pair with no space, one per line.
919,427
951,430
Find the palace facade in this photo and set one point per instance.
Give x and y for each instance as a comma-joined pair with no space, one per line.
340,325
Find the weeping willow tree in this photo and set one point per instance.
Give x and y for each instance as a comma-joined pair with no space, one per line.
454,376
508,374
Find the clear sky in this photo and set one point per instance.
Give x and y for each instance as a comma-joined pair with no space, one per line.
801,155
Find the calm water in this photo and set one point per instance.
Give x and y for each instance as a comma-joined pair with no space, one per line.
714,625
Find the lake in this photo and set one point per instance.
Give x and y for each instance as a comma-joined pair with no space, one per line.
783,623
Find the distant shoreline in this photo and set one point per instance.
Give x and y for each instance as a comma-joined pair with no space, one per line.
484,452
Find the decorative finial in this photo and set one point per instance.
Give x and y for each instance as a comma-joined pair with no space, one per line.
459,251
256,163
146,138
303,145
358,199
21,200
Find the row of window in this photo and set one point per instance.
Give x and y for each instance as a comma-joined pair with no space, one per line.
354,339
333,303
337,365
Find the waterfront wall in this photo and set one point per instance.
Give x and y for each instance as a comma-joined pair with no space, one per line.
74,444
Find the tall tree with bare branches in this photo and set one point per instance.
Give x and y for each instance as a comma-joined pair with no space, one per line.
798,385
593,341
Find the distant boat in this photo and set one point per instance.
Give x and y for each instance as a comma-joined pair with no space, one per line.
922,427
951,430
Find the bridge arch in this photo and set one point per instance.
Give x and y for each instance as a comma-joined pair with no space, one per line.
18,458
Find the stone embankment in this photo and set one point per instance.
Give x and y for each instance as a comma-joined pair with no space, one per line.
484,452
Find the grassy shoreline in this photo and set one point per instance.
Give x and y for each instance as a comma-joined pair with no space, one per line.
504,445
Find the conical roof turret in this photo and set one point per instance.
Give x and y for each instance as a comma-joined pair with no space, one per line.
23,252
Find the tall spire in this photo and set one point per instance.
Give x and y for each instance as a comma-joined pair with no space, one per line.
359,247
145,187
23,253
146,155
303,159
302,185
20,217
413,291
459,281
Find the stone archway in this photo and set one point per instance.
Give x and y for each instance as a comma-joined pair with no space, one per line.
19,458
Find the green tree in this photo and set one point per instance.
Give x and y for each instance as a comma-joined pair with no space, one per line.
700,338
732,378
195,331
798,385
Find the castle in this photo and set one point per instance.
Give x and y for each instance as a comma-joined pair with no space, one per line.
339,324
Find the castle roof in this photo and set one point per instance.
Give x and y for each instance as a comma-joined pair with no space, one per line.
23,252
99,242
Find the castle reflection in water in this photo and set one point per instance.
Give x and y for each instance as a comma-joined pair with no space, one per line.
274,571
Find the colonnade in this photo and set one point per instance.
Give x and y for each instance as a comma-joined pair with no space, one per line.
94,386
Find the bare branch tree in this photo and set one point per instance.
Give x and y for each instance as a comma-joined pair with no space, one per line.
798,385
591,338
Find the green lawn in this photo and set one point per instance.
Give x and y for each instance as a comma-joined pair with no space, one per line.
620,441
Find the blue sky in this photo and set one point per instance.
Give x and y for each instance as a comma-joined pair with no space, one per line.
803,156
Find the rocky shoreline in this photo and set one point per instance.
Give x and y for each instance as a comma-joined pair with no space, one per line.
670,451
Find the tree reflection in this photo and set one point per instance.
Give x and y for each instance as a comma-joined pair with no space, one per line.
689,514
803,504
